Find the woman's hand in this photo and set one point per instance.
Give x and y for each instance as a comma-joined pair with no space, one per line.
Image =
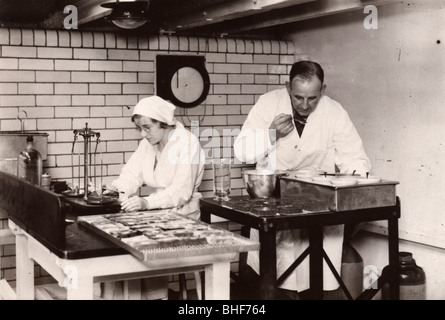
109,189
134,204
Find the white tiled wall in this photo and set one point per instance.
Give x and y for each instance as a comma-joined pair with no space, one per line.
64,79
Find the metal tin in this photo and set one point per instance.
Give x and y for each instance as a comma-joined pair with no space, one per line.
340,198
9,165
46,181
12,142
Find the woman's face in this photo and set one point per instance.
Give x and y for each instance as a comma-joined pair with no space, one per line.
149,130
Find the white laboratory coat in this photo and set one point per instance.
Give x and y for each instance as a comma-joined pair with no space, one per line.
178,173
329,139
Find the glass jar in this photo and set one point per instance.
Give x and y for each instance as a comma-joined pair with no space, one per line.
30,163
412,279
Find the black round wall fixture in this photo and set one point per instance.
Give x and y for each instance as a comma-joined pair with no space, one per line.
183,80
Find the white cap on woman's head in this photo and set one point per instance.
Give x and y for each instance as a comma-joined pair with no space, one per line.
156,108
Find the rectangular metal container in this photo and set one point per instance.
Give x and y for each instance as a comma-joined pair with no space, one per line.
12,142
8,165
340,198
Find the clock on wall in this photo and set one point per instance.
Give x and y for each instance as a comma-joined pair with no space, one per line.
183,80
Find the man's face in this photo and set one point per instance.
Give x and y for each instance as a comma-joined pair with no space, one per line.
305,94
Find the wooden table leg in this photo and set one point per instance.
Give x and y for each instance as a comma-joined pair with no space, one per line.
132,289
268,265
217,281
242,266
205,216
82,289
24,269
393,249
316,263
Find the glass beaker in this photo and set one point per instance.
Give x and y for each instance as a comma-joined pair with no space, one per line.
221,179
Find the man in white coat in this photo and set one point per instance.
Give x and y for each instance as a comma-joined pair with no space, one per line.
298,127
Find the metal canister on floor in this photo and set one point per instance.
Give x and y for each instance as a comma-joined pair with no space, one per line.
46,181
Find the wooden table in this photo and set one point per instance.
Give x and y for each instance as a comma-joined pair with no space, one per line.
77,257
314,222
79,275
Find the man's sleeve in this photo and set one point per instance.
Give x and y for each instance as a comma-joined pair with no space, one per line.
350,155
252,145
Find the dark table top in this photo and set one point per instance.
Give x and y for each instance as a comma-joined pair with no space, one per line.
78,242
276,213
43,214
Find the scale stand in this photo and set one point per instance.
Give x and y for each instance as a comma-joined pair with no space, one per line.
87,134
91,198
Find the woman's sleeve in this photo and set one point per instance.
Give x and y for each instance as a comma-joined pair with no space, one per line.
189,168
130,178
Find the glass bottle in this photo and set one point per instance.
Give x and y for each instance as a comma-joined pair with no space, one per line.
412,279
351,273
30,163
352,269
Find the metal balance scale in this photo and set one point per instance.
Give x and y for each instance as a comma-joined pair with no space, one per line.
95,197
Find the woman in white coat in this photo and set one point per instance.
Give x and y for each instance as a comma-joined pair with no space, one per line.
170,161
298,127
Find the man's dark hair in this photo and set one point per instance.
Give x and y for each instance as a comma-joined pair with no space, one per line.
306,70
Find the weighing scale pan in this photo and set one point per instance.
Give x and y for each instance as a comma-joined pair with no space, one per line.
73,194
99,200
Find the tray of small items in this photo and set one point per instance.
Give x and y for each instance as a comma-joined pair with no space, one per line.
161,234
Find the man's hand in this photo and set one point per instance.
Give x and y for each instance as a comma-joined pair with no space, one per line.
282,125
134,204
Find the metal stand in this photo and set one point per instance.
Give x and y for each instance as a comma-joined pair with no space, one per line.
87,134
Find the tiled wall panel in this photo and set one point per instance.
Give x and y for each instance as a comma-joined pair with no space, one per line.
64,79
